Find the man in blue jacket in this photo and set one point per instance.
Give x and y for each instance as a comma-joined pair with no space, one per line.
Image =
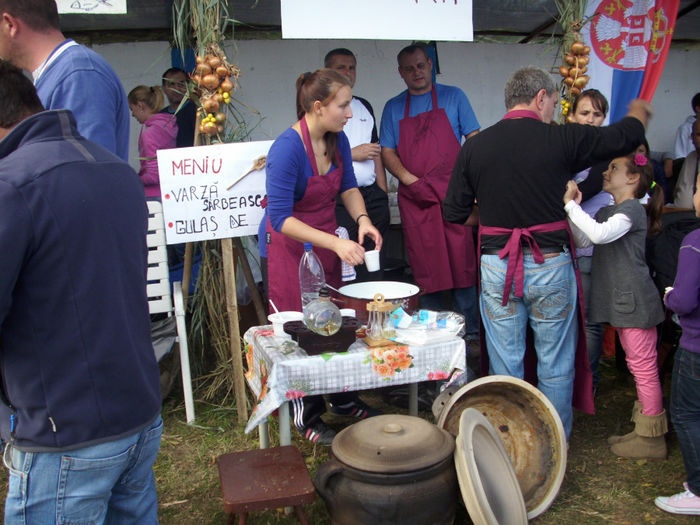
80,411
66,74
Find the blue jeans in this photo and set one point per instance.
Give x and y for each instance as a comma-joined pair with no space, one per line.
549,303
685,412
594,331
463,302
107,483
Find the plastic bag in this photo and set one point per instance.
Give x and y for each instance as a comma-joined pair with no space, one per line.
426,326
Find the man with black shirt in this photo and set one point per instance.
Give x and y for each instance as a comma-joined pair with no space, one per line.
517,171
175,88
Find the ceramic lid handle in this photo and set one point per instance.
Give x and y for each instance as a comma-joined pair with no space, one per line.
392,428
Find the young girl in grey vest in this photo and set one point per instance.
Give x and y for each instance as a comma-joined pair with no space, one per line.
622,292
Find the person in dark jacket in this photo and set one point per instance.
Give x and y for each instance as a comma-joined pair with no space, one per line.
80,411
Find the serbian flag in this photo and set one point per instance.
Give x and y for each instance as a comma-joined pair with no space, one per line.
629,41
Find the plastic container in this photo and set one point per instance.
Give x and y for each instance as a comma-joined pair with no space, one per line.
311,276
322,316
279,318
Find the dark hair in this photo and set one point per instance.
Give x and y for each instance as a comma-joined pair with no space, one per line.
40,15
597,99
409,50
18,98
695,102
322,85
151,96
341,51
171,71
655,205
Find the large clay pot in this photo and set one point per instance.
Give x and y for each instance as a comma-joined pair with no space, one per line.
528,426
390,469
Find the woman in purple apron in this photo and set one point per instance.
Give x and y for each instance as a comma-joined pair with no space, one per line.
307,167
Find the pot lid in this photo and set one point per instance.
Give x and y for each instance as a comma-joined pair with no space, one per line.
487,479
392,443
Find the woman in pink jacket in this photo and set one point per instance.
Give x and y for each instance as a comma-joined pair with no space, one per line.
158,131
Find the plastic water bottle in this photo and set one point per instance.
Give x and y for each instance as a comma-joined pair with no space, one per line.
311,276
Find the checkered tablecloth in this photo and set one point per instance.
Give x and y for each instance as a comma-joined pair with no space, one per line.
279,370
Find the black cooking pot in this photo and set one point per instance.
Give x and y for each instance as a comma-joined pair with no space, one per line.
390,469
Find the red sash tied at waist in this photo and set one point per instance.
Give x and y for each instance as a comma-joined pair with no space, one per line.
514,251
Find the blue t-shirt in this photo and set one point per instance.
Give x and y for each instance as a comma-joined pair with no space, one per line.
84,82
452,99
288,170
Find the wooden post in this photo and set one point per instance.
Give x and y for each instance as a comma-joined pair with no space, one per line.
187,271
248,273
234,330
189,247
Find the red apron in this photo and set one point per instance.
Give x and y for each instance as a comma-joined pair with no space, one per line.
441,254
317,209
583,379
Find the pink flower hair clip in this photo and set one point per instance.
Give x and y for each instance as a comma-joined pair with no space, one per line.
640,160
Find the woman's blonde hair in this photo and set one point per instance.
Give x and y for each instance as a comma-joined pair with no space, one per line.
151,96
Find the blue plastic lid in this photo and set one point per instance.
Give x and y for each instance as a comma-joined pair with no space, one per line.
308,246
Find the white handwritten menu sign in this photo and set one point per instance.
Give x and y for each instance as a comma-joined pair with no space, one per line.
445,20
212,192
93,7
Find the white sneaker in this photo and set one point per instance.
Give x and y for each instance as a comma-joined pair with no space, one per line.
682,503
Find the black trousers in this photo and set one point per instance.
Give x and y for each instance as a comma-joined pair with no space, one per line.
308,410
377,204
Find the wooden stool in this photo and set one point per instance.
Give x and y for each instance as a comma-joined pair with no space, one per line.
262,479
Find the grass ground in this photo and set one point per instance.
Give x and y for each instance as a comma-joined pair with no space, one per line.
598,488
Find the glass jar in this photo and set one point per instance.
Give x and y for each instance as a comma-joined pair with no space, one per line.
322,316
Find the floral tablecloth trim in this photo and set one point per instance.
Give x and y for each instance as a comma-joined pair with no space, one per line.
298,389
294,394
389,360
250,365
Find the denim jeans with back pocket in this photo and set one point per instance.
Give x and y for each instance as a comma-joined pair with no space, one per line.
549,305
110,483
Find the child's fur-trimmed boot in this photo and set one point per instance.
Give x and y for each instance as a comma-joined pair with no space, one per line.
648,442
636,410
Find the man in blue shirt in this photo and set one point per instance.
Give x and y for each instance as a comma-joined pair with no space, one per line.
66,74
421,132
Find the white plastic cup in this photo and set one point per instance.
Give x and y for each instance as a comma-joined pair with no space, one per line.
347,312
372,260
278,319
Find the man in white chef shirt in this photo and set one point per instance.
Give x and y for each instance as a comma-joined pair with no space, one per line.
361,131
